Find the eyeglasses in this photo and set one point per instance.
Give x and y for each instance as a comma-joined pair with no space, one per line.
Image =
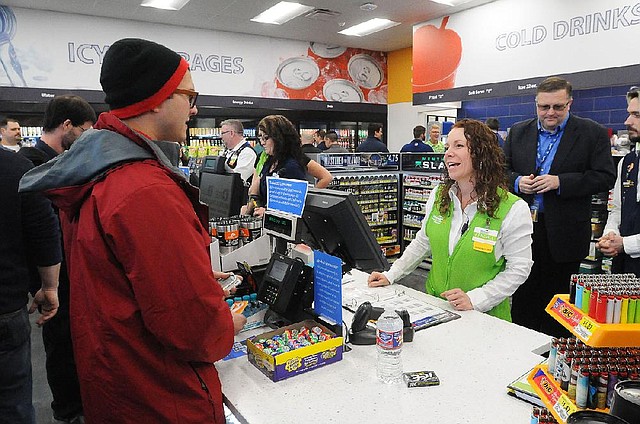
82,129
263,137
557,108
191,95
225,132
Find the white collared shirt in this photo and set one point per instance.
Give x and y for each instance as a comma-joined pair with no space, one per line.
630,243
245,164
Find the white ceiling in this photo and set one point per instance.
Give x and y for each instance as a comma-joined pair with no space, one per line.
235,15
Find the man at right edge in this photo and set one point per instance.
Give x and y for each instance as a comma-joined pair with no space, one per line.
622,233
148,318
555,163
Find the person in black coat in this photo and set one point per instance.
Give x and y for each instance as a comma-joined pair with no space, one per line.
29,237
66,118
555,163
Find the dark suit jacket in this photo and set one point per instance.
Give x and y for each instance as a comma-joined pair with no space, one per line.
584,165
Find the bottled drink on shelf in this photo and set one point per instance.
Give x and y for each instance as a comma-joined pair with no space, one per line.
389,346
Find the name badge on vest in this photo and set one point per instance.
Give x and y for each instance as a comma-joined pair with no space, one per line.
628,184
484,239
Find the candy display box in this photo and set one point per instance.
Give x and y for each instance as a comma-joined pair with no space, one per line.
296,361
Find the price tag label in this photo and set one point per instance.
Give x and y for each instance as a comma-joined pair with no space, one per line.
564,407
585,328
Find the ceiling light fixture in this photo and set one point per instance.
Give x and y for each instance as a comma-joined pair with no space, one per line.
165,4
281,13
369,27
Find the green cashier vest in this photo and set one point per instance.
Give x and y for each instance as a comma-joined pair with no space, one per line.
473,260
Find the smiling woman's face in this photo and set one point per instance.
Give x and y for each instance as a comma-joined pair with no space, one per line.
457,158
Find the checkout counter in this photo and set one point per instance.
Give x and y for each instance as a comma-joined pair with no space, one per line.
475,357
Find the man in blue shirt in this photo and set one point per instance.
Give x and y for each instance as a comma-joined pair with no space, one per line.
417,144
555,163
373,143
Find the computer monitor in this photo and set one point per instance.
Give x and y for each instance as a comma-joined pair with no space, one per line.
333,223
223,193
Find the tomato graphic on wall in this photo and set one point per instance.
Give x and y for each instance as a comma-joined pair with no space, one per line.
436,56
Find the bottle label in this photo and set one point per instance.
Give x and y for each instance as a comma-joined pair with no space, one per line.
389,340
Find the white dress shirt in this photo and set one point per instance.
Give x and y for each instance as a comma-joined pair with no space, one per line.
245,164
514,243
630,243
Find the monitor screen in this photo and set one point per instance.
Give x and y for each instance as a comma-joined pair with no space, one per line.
334,224
223,193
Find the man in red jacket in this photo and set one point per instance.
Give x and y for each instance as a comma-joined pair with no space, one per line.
148,318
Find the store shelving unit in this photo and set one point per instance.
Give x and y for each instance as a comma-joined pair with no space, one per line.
377,196
593,334
374,181
421,173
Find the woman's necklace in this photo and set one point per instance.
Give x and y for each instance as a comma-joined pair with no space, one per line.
465,203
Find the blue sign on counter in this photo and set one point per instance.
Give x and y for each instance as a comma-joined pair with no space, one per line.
286,195
327,286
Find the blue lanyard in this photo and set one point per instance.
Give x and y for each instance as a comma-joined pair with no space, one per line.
540,160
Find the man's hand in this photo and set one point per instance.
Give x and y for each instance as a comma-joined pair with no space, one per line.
239,321
47,301
544,183
525,184
610,244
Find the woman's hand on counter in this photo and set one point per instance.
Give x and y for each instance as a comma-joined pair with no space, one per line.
458,299
377,279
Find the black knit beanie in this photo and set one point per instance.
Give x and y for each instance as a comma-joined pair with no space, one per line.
138,75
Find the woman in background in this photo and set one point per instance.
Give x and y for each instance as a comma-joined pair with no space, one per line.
479,235
281,143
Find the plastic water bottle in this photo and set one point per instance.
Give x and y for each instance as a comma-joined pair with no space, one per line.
389,346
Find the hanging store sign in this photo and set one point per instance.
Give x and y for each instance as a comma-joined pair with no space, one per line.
508,47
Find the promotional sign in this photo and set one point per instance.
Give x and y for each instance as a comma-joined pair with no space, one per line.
286,195
52,50
359,160
508,47
327,286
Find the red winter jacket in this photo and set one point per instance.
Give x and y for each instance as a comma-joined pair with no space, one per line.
148,318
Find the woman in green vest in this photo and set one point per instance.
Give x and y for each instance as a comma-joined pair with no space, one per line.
478,234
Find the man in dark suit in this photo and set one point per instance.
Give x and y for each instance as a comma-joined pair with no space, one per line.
555,163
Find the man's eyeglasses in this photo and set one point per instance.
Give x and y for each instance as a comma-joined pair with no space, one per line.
557,108
225,132
191,95
82,129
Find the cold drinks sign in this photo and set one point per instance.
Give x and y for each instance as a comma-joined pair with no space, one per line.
507,47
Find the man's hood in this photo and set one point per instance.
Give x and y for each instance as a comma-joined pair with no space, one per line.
68,178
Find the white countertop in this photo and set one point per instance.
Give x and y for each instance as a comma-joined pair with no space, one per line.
475,357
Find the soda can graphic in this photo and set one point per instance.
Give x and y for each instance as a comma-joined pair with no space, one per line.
296,74
365,71
327,51
341,90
